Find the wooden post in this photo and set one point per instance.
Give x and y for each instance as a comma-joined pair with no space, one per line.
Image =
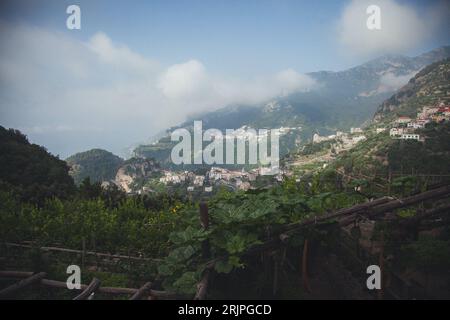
202,286
142,292
22,284
305,267
91,288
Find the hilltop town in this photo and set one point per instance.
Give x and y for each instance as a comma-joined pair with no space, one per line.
406,128
145,176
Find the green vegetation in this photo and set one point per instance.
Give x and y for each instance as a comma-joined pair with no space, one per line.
240,221
40,203
430,86
97,164
380,155
29,171
164,226
134,225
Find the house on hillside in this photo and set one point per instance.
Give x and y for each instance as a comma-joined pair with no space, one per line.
198,180
410,136
317,138
403,120
355,130
445,111
396,132
416,124
427,112
358,139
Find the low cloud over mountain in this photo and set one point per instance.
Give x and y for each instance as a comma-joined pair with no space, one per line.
54,81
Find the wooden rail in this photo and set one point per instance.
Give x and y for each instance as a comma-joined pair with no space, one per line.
89,290
344,216
34,278
143,292
370,209
92,253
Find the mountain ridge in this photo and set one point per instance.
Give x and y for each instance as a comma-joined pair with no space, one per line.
344,99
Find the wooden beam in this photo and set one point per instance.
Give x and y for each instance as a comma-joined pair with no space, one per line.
91,288
202,286
107,290
22,284
408,201
374,208
371,208
91,253
305,277
142,292
339,213
414,219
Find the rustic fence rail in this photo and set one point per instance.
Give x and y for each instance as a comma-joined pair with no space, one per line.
345,216
27,278
74,251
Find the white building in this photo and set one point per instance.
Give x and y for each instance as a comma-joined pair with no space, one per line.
416,125
402,120
427,112
317,138
198,180
396,132
355,130
410,136
358,139
379,130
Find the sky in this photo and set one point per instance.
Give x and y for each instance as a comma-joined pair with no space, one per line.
137,67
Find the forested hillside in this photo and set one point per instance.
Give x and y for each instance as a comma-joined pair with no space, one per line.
97,164
29,171
381,155
430,86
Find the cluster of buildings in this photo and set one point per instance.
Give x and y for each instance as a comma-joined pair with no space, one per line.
215,177
172,177
345,140
216,174
405,128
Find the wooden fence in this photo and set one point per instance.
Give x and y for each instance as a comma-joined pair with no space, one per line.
345,216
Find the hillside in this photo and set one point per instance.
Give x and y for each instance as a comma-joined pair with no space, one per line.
133,174
339,100
29,171
97,164
430,86
383,157
380,155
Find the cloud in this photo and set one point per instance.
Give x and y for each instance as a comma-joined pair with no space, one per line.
289,81
184,81
402,28
190,82
71,95
119,55
390,82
